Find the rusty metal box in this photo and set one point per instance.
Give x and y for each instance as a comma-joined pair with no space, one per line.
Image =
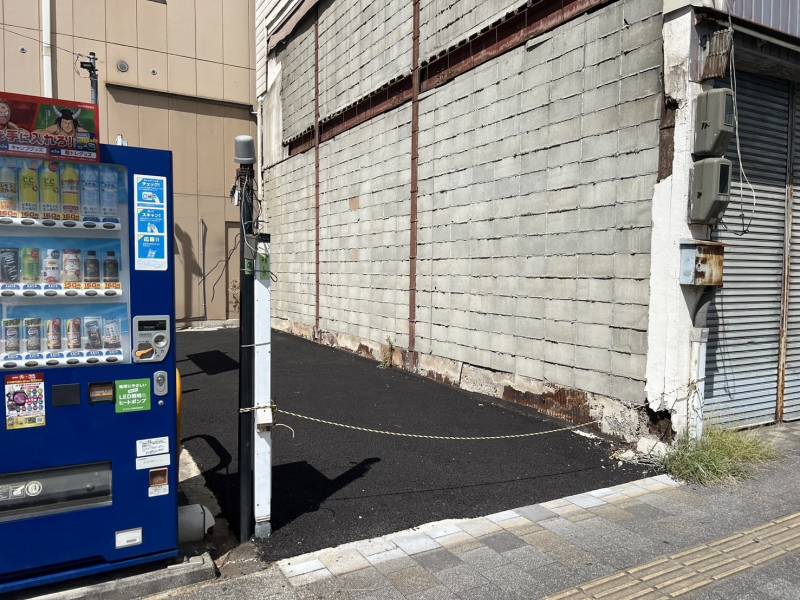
702,262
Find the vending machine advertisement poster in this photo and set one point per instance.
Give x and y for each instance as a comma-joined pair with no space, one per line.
133,395
150,197
33,127
25,406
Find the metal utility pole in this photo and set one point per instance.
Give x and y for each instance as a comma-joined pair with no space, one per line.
91,66
244,156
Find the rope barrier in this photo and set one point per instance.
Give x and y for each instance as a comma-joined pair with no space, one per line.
414,435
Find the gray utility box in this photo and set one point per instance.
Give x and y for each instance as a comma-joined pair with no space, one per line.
702,263
713,122
709,190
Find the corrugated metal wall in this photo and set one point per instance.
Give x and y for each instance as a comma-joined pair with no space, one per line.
743,348
783,15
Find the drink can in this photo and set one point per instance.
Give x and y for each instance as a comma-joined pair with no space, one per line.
70,192
52,329
74,334
9,198
50,190
71,265
11,334
9,265
30,265
51,266
28,189
33,334
109,193
94,332
112,334
90,193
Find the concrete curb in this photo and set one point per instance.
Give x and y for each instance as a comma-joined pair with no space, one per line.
195,570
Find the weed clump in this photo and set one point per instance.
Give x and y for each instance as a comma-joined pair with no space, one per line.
720,456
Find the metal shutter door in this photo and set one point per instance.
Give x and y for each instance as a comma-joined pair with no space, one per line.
744,321
791,397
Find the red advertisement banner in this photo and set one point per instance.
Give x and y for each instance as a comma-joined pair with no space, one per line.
48,128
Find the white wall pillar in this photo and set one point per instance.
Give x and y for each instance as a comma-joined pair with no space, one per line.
262,446
672,361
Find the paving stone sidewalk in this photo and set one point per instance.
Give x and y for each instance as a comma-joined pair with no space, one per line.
571,547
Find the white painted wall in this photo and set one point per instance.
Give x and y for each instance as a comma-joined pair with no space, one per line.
669,357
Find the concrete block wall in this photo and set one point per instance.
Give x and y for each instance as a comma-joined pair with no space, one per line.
536,177
362,46
289,200
297,91
364,230
444,22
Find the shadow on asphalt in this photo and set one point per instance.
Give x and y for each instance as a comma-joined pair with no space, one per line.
334,485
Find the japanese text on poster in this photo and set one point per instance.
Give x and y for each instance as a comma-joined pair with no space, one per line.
25,401
133,395
31,126
150,198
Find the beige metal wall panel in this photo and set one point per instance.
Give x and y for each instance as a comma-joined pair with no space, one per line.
122,54
181,27
89,19
22,13
2,58
121,22
209,79
63,67
182,75
210,152
211,255
154,120
153,70
235,32
209,30
151,18
23,63
123,114
62,16
237,84
251,34
183,143
188,274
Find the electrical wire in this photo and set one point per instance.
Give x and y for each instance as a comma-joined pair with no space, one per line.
742,173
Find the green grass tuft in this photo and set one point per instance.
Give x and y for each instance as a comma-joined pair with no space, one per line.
720,456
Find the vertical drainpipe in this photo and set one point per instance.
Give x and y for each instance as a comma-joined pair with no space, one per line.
47,60
412,266
316,171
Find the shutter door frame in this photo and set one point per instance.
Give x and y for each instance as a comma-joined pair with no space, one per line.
789,398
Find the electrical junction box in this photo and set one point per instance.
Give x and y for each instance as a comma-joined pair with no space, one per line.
709,191
702,263
714,122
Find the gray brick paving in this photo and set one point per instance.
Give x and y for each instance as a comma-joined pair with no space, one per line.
510,556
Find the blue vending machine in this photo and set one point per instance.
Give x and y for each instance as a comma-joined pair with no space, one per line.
88,474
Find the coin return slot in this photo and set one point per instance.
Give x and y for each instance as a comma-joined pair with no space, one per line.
101,392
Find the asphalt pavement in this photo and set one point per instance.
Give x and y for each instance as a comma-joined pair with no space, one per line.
334,485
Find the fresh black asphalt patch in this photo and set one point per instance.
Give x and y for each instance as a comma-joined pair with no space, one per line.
334,485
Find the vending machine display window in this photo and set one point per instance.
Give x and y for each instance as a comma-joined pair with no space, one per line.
64,285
